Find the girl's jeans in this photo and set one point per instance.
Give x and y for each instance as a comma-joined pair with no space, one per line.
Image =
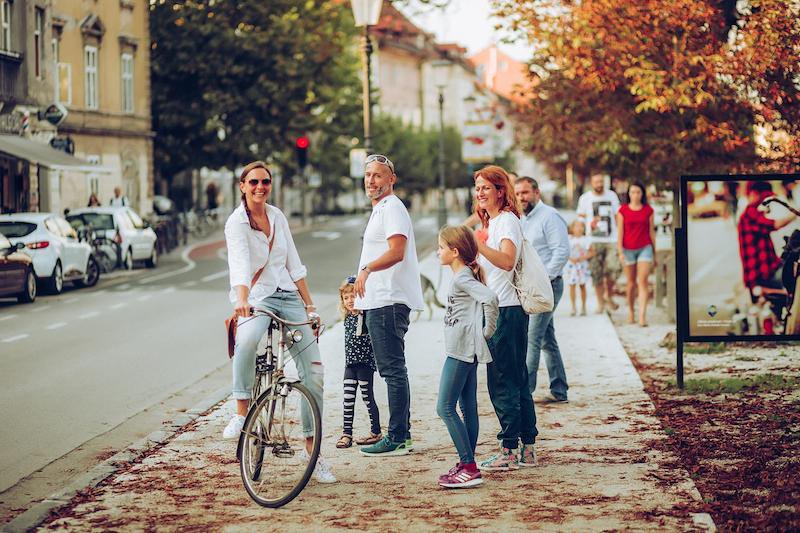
459,383
305,354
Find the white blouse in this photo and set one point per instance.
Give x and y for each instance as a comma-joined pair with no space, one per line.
248,250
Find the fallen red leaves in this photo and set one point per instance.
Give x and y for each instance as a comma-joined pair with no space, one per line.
742,450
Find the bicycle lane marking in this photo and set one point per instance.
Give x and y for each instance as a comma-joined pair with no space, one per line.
186,258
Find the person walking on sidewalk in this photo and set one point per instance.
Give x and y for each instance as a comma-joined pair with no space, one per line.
266,273
359,370
387,289
598,209
118,200
499,244
469,320
576,272
637,237
546,230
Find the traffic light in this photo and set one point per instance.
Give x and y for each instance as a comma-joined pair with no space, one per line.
301,148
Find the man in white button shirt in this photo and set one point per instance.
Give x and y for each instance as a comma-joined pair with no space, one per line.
388,289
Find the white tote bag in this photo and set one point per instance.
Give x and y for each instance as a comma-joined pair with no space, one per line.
532,282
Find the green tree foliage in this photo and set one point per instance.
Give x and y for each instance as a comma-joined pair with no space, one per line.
236,80
415,154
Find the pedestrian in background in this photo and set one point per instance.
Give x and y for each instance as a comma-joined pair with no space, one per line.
359,370
546,230
637,237
94,201
576,271
118,199
598,208
469,320
500,243
387,289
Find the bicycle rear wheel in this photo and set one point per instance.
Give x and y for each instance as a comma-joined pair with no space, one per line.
274,463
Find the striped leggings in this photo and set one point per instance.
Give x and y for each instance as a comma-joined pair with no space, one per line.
355,376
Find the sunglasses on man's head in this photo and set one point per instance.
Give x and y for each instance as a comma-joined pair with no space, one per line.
382,159
264,181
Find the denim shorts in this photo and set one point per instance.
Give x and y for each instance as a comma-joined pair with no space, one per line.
638,255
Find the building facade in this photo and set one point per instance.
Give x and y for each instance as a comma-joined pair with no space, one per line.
101,58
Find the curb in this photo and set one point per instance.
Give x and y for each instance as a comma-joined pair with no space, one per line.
33,517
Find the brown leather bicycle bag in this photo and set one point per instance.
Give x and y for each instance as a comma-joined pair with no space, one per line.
232,321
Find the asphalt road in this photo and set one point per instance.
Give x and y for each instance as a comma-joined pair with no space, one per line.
78,368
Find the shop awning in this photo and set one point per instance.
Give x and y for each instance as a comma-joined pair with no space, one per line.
44,155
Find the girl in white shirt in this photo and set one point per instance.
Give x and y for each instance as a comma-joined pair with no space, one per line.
499,243
257,235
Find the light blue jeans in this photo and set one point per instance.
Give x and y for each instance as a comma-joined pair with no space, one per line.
305,354
542,337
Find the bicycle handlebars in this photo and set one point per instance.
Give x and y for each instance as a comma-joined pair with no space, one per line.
775,199
314,320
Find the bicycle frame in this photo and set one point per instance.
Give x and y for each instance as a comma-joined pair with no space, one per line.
269,367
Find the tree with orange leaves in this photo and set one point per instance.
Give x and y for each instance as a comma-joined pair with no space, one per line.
653,89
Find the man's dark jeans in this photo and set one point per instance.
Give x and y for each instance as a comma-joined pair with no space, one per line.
387,328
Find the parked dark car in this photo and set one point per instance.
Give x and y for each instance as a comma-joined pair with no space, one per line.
17,278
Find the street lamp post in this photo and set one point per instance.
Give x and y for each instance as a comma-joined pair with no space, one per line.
441,71
366,13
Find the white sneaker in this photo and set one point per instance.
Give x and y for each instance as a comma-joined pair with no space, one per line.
322,470
234,427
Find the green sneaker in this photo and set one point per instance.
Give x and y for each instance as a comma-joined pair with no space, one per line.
502,461
527,455
385,447
409,444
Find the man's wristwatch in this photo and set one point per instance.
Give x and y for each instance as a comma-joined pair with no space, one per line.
366,268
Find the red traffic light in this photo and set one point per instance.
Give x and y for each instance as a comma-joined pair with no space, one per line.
302,142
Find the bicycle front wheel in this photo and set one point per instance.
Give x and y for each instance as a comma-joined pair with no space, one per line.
275,461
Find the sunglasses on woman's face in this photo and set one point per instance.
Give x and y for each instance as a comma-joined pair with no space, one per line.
264,181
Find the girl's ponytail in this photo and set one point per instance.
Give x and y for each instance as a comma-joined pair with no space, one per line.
477,271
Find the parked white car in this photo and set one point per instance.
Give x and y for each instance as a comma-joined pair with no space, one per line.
53,245
123,225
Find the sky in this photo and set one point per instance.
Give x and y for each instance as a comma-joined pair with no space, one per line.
466,22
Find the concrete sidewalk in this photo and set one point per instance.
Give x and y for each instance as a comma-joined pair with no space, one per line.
599,467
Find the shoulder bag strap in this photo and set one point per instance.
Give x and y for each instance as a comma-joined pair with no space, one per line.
260,270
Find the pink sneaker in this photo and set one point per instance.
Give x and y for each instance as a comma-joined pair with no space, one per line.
462,478
451,472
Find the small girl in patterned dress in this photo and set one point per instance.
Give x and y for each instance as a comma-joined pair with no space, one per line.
359,369
576,271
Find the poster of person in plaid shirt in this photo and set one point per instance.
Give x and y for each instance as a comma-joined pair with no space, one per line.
735,271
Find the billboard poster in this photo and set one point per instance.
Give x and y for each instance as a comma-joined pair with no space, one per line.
742,255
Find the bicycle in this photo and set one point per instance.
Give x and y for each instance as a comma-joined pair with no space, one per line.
271,443
785,303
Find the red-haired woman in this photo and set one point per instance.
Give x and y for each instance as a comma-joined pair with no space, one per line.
266,273
499,243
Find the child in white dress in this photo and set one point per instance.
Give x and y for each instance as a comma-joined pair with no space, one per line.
576,271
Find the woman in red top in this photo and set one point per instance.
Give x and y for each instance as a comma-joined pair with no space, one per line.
636,246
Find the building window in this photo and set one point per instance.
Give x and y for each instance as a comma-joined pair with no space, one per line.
64,84
90,69
127,83
38,41
5,26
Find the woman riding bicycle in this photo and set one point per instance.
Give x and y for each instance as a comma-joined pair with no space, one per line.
266,273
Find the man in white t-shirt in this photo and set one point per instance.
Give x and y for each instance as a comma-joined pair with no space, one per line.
598,209
118,200
387,289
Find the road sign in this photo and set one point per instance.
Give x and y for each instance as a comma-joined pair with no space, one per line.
55,114
357,158
477,145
